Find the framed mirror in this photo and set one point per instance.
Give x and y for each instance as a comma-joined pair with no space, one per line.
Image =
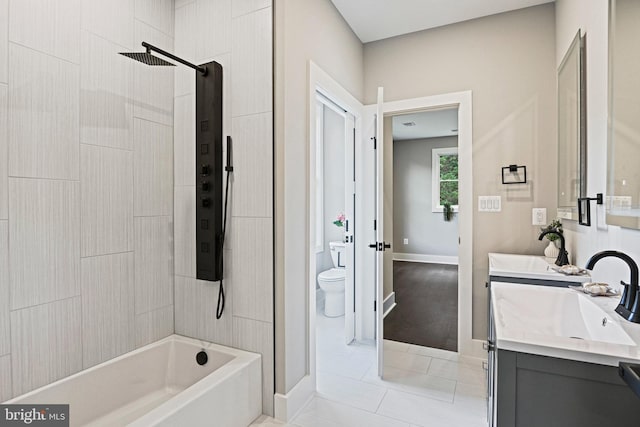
572,159
623,171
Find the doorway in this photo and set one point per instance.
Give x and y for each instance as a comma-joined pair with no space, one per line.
463,101
421,187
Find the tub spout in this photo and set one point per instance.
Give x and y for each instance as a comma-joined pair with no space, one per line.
629,306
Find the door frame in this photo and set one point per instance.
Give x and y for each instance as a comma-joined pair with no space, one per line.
320,81
464,102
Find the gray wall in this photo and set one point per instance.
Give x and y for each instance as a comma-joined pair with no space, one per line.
413,218
334,146
239,36
86,211
508,61
305,30
388,210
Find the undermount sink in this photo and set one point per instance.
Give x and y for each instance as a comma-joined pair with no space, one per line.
534,313
531,267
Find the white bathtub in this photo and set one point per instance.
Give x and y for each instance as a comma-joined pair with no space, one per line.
161,384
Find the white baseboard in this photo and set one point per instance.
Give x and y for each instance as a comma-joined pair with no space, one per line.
388,304
433,259
286,406
477,350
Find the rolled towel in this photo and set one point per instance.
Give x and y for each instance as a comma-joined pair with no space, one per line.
595,288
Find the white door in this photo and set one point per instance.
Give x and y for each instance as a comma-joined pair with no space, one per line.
381,245
349,227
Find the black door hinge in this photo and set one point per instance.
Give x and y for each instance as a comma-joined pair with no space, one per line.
375,142
375,306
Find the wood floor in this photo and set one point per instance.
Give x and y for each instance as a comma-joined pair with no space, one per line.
426,313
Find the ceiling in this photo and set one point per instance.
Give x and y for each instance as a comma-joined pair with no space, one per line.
373,20
428,124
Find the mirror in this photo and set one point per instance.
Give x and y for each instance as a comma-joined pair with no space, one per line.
623,173
571,130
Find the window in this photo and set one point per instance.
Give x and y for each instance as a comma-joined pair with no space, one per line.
444,181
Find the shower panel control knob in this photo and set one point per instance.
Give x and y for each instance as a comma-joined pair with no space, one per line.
205,186
206,202
205,170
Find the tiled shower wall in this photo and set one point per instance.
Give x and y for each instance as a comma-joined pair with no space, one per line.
238,35
86,179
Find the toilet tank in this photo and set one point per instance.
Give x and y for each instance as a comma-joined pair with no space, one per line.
337,253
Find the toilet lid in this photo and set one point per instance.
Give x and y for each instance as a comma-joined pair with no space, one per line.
333,275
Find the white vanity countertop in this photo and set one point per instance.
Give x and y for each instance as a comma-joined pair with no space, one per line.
563,323
529,267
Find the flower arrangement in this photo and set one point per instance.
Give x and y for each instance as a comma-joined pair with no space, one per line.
339,222
554,225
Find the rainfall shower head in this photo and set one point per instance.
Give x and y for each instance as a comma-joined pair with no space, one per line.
149,59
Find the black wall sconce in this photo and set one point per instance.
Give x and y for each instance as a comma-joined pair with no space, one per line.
514,174
584,208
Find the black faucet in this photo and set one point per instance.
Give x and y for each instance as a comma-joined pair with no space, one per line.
630,301
563,256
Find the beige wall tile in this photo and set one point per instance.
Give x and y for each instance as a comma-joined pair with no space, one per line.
242,7
154,325
251,63
157,13
4,40
107,200
253,165
196,311
44,237
106,89
153,86
153,169
5,335
4,151
184,141
5,378
108,318
46,343
111,20
153,263
185,231
255,336
214,22
44,120
49,26
252,271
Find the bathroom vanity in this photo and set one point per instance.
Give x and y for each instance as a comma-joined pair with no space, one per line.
553,359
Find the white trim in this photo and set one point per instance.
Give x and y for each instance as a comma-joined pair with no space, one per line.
431,259
287,406
464,101
436,153
389,304
319,175
319,82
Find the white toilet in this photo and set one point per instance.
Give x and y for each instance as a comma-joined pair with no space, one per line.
332,282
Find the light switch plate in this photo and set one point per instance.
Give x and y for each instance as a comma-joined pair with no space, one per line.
489,203
406,241
539,216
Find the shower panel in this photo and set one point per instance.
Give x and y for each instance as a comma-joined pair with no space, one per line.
210,222
209,230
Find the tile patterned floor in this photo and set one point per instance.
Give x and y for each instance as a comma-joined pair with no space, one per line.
421,386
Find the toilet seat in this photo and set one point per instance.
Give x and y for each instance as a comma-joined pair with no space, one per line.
332,275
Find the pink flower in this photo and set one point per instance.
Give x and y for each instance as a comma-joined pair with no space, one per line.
341,217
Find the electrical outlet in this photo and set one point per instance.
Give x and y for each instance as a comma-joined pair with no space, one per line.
406,241
539,216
